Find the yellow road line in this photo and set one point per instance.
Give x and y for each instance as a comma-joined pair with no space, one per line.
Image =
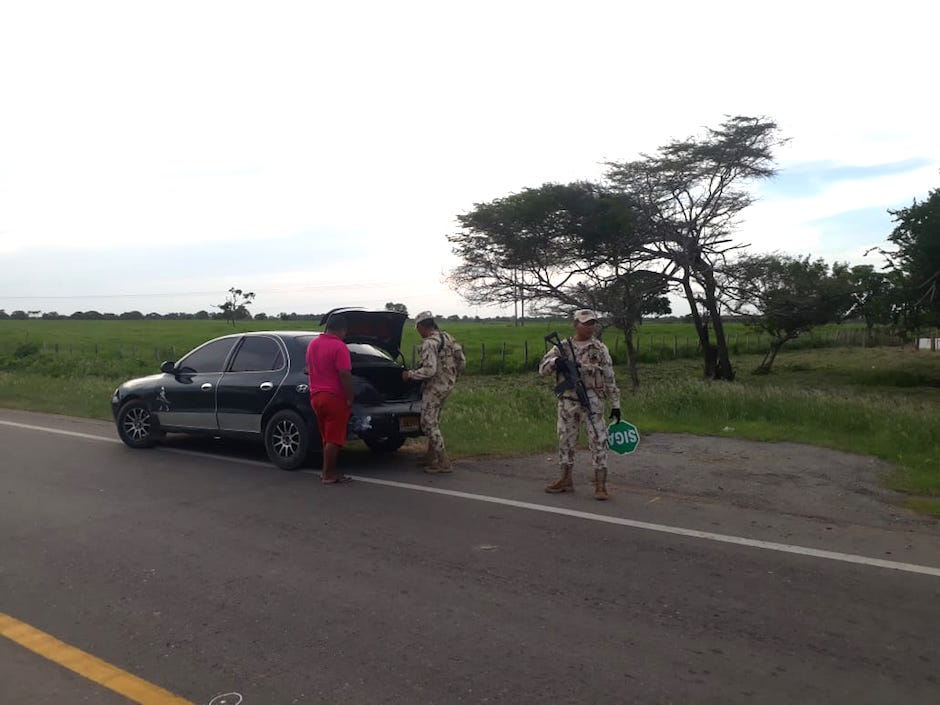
86,665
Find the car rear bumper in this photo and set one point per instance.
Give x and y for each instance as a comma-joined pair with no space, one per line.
388,419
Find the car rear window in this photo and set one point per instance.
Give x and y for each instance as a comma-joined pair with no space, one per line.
364,351
358,351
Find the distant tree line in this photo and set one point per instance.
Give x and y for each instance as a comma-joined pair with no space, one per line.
222,315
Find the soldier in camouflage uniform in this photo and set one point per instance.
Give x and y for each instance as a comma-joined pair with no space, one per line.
597,373
442,359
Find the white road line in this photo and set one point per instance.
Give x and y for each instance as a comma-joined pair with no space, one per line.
59,432
619,521
665,529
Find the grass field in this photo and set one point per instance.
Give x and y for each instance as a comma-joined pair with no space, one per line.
880,401
492,348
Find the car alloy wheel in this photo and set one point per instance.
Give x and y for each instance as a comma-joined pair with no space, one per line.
287,439
135,424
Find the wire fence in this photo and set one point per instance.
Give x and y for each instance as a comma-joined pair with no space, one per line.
520,357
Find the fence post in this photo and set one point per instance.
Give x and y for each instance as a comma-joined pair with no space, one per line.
525,354
503,360
675,346
482,355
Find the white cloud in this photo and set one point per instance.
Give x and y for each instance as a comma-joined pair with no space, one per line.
372,125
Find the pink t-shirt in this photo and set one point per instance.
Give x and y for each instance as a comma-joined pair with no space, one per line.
326,356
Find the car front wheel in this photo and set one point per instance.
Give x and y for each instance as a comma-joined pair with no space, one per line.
135,424
287,439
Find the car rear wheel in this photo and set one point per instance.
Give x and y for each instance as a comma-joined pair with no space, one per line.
384,444
135,424
287,440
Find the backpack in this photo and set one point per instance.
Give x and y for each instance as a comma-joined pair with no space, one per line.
456,350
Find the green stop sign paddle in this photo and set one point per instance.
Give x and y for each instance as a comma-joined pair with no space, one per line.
622,437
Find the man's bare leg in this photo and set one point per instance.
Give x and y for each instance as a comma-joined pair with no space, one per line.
330,457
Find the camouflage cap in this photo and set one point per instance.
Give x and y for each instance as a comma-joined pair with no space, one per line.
583,315
423,316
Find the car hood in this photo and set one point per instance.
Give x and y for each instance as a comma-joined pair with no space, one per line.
383,329
150,381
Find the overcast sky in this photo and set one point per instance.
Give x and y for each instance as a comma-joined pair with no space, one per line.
152,155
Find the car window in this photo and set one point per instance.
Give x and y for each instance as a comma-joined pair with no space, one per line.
258,354
364,352
207,358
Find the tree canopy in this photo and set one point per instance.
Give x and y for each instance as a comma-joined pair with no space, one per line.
235,306
786,296
690,194
916,237
560,247
663,221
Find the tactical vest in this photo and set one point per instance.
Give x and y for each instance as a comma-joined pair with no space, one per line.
591,361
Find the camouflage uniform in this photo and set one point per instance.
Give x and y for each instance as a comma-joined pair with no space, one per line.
597,373
439,371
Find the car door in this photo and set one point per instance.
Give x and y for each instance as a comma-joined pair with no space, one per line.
187,399
250,383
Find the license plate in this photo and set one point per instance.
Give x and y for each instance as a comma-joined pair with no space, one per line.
409,424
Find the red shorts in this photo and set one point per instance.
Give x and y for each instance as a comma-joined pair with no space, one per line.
332,417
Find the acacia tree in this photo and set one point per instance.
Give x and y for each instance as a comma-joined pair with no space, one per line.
786,296
873,298
691,193
559,246
236,305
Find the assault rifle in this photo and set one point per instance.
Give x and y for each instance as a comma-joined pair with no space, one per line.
571,375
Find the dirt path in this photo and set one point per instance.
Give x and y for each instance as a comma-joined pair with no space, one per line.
788,478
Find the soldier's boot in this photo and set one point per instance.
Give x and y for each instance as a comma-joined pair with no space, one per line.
562,484
441,463
600,484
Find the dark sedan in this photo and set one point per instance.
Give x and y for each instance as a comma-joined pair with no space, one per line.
254,385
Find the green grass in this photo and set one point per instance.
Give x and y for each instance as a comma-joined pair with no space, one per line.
882,402
492,348
87,397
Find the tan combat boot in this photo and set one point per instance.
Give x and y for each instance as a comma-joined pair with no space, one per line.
441,463
562,484
600,484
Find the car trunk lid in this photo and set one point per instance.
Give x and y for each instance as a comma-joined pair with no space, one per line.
382,329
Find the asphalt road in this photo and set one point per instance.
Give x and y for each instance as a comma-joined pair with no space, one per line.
203,570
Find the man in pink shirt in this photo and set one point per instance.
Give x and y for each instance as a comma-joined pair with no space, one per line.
331,392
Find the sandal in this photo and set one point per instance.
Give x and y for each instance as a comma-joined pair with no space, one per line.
342,479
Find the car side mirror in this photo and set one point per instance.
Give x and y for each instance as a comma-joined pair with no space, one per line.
168,367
